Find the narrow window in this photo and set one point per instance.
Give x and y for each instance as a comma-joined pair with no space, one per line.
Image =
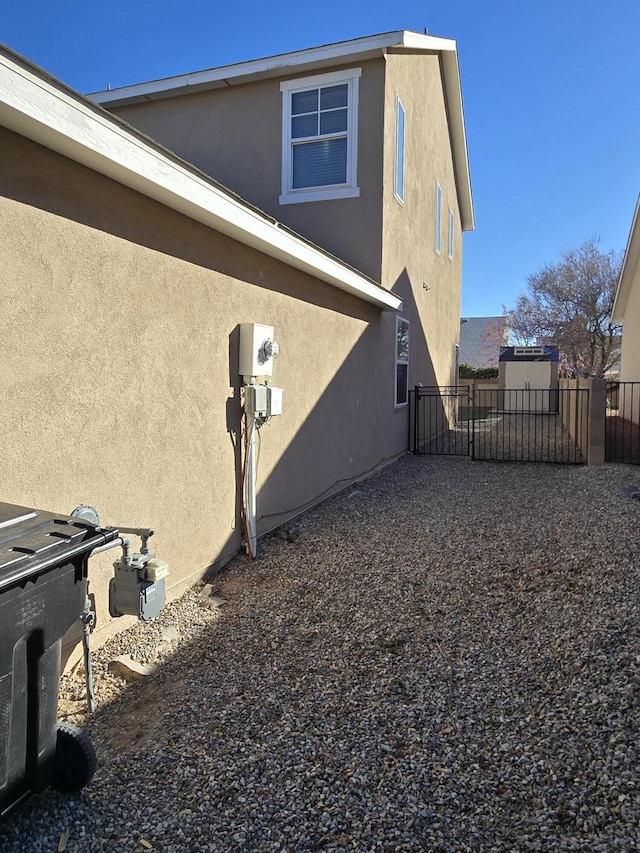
399,186
450,250
402,362
438,216
319,137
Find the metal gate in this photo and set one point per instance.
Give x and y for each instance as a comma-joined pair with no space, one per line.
533,425
622,430
440,424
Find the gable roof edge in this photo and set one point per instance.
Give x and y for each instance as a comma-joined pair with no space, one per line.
629,267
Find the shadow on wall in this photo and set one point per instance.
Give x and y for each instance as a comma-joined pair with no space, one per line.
338,424
351,430
154,226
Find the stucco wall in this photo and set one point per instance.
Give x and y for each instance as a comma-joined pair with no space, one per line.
630,358
118,377
235,135
409,257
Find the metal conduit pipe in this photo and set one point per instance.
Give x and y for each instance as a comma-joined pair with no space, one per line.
121,540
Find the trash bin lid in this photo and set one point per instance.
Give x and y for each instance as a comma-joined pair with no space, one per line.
32,540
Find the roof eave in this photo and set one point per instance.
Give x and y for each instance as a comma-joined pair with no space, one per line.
629,268
280,65
56,117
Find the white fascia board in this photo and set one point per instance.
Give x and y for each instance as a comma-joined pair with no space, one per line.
629,268
271,66
62,121
455,114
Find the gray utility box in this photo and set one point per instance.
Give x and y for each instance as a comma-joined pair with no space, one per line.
43,589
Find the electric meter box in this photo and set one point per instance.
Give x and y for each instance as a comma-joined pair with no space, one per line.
255,358
274,401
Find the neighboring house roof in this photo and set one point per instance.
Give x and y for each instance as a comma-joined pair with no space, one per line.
41,108
629,268
481,339
302,61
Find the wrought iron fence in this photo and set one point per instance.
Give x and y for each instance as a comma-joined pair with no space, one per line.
523,425
622,423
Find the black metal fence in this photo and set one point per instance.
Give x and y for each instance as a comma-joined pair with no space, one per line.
440,423
622,423
501,424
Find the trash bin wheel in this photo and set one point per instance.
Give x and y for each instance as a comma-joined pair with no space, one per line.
75,759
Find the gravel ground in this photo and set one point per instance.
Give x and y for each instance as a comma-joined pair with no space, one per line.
444,658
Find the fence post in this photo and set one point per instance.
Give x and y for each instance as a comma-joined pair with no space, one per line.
596,418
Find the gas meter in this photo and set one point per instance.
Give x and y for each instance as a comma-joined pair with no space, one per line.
137,587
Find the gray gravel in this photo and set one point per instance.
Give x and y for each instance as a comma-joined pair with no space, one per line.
445,657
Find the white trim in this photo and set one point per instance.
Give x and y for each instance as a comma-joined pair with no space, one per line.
399,106
44,111
296,62
350,188
321,194
629,268
326,56
450,246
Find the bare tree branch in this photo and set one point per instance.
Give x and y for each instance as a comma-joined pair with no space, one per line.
569,304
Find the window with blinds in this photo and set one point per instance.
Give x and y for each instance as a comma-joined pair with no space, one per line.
319,143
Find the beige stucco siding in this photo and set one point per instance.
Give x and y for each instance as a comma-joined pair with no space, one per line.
409,256
118,378
630,358
235,135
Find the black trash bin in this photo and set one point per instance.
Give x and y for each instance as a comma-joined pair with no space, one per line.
43,574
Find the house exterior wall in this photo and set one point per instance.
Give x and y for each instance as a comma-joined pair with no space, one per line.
630,356
119,336
235,135
409,257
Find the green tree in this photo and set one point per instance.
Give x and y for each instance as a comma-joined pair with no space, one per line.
569,304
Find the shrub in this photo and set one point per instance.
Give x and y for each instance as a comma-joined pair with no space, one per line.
468,372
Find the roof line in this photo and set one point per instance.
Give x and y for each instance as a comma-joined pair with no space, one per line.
629,266
270,66
41,108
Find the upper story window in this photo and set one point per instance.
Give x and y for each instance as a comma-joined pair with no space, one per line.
450,247
438,218
320,137
399,172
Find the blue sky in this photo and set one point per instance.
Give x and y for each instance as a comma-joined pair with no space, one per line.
551,93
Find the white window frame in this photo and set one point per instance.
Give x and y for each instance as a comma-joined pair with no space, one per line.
450,243
438,218
350,188
398,181
398,360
